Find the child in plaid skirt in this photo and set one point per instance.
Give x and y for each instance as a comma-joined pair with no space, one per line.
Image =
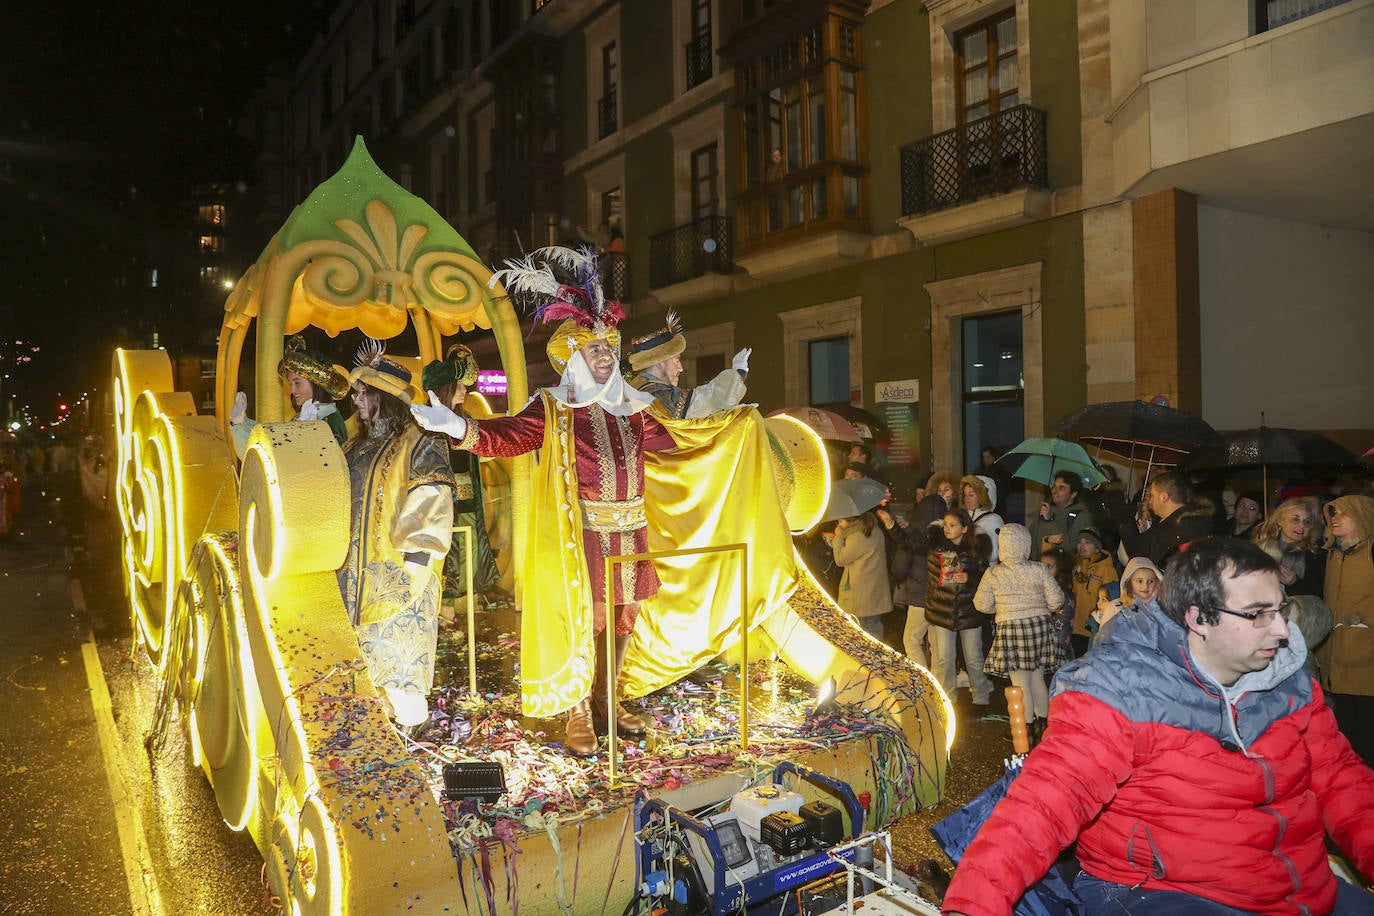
1024,596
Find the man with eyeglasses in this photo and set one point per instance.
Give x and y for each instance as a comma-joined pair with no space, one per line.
1192,759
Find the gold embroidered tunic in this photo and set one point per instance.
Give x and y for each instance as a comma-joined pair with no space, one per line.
402,506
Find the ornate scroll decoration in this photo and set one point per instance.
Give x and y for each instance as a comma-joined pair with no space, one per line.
377,280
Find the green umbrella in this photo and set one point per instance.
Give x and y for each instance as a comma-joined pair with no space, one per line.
1039,460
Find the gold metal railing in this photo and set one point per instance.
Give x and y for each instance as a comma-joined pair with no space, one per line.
468,552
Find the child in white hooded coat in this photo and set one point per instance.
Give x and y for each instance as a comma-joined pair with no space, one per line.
1023,595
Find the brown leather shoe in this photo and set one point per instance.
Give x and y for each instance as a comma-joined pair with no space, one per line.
579,737
627,724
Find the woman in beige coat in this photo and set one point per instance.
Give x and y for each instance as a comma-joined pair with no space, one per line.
864,588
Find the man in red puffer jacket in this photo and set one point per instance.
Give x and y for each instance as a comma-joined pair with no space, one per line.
1193,760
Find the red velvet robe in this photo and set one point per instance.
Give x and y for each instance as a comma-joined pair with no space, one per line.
610,466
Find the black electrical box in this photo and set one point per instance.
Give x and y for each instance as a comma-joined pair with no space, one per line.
474,779
784,832
824,823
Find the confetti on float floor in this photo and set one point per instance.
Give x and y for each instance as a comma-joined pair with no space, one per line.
693,732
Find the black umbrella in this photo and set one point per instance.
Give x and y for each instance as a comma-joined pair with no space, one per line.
1139,430
1142,422
1264,446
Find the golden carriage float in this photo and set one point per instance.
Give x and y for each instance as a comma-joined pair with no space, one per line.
230,574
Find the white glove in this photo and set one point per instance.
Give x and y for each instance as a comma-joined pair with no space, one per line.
310,410
408,708
240,409
439,419
741,360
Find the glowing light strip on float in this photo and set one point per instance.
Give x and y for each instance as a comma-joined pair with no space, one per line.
200,651
806,524
310,784
334,857
809,433
167,532
932,682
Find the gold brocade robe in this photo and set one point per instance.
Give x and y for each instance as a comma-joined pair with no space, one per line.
716,487
402,503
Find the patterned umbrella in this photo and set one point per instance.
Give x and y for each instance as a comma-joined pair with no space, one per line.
1138,431
1266,446
826,423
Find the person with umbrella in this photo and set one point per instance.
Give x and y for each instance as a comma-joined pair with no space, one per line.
1175,807
861,550
1179,522
1063,519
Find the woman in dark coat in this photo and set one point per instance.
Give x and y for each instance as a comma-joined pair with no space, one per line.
955,562
908,544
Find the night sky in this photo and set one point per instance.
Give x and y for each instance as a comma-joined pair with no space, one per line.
110,112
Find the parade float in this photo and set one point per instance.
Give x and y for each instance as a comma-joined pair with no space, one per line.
230,569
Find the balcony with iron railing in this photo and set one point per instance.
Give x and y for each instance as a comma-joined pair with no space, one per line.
614,267
697,53
989,156
703,246
1270,14
607,121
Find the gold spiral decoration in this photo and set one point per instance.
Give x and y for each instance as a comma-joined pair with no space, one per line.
316,880
248,630
227,717
452,286
337,275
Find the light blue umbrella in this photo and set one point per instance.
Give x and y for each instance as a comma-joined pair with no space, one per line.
851,498
1039,460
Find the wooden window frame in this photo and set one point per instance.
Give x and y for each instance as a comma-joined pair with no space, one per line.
811,55
994,58
709,178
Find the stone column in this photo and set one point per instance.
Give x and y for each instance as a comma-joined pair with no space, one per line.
1168,347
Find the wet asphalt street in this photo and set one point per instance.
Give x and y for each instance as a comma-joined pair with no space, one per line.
93,823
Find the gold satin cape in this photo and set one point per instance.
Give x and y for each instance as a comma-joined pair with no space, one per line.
718,487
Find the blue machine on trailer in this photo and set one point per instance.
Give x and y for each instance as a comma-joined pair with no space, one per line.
732,896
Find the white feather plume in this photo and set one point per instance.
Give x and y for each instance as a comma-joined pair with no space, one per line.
522,275
370,352
578,261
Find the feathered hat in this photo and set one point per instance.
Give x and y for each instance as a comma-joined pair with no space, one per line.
316,367
458,366
665,343
383,374
579,303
